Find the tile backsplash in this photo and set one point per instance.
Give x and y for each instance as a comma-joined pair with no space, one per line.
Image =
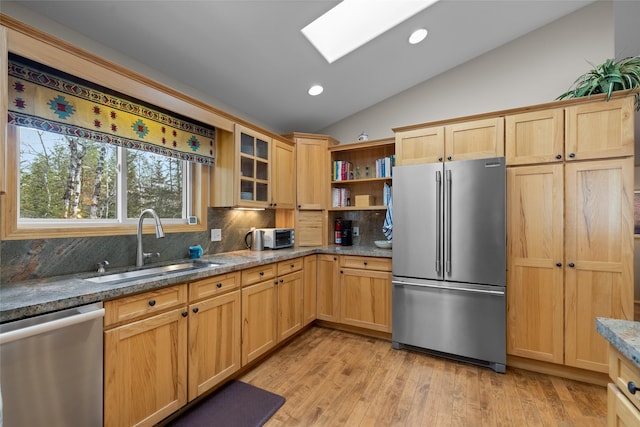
38,258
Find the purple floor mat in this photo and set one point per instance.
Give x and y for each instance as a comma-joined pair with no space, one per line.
237,404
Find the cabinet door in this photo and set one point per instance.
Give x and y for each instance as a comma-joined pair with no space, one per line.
599,255
310,228
254,166
283,176
290,304
535,137
309,294
328,293
258,320
600,129
145,370
311,160
478,139
365,299
420,146
535,290
214,342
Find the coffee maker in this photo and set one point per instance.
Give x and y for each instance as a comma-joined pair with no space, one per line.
347,233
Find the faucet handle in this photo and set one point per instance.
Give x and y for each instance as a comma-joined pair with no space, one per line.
102,266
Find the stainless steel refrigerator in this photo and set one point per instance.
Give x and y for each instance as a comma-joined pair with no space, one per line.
449,260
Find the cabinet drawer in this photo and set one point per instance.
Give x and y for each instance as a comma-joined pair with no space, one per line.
620,413
136,306
215,285
366,263
622,371
258,274
289,266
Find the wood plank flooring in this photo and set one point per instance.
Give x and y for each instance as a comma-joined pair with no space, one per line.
335,378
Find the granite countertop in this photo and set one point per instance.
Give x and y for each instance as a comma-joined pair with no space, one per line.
30,298
624,335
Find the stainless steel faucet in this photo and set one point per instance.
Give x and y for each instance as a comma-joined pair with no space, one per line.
141,256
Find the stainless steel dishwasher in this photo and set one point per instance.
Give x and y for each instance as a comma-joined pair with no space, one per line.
51,369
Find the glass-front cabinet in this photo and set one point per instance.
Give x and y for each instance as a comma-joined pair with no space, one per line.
254,166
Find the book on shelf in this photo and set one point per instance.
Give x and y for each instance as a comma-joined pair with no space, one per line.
342,170
340,197
384,166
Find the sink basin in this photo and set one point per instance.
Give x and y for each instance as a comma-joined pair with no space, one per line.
152,272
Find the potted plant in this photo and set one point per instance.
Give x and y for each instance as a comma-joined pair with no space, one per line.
608,77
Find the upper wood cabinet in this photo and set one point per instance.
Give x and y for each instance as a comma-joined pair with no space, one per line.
253,170
458,141
534,137
600,129
593,130
283,175
311,171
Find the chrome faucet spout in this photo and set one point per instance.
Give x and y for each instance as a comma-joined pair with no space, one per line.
140,255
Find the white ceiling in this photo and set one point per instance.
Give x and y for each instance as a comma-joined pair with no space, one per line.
251,55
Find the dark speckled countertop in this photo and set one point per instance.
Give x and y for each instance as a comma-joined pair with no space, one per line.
624,335
35,297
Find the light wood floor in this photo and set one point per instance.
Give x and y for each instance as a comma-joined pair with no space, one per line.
334,378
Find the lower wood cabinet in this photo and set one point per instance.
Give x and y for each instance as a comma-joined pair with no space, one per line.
328,292
623,408
145,363
272,309
214,332
309,299
365,292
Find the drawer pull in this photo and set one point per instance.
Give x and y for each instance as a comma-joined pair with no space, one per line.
291,265
632,387
218,285
195,309
262,273
152,302
365,263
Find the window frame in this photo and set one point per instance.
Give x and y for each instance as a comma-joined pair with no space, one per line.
41,47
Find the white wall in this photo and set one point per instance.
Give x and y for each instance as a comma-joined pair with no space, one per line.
533,69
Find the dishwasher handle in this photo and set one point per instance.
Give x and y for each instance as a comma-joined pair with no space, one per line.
29,331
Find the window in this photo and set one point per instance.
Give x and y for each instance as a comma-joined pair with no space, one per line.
70,178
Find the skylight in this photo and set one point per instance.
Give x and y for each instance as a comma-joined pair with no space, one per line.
352,23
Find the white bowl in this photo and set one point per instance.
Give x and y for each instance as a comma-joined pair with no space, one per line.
383,244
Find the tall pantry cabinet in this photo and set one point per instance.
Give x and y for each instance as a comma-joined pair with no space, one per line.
570,229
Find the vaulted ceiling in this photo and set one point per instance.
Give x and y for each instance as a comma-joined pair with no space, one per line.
251,55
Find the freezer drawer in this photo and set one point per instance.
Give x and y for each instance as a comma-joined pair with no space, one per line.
459,320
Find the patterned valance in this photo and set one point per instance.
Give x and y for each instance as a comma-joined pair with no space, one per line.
44,98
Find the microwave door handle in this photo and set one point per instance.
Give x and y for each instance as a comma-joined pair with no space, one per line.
438,222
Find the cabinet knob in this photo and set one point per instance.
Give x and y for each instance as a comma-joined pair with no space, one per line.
558,156
632,387
572,155
299,206
571,265
439,159
195,309
291,265
365,263
281,280
152,302
262,273
341,272
185,313
448,157
335,258
218,285
558,264
275,204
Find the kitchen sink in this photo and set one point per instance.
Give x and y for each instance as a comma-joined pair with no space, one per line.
152,272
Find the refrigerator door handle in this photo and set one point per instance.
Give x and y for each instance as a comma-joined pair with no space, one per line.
448,288
438,222
448,222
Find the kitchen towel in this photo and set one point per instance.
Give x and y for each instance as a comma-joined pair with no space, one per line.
387,228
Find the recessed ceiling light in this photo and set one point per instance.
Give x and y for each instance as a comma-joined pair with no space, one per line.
315,90
417,36
352,23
